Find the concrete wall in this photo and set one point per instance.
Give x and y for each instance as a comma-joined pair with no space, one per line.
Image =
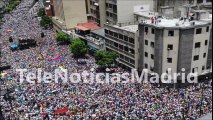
185,50
158,51
200,51
74,12
125,9
141,48
209,59
170,40
58,8
102,9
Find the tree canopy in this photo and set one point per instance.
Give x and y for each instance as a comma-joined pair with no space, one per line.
62,37
46,22
105,58
41,12
78,48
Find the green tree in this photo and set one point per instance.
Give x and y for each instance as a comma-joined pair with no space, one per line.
62,37
41,12
78,48
105,58
8,9
46,22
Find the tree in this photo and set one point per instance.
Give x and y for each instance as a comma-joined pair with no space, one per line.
78,48
105,58
41,12
46,22
62,37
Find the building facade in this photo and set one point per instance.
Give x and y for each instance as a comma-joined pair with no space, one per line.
175,8
68,14
176,44
124,41
116,11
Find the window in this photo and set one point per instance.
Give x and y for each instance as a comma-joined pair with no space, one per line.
146,42
199,31
196,57
121,47
193,70
146,30
151,68
132,51
197,45
152,56
125,38
127,59
131,40
116,35
208,67
170,47
110,33
146,54
152,44
169,60
120,36
116,44
107,13
204,55
146,66
203,68
153,31
207,29
121,56
132,61
206,42
171,33
106,31
126,49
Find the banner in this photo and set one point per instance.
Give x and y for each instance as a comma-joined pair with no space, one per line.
56,59
61,111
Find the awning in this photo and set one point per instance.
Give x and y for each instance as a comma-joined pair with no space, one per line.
82,28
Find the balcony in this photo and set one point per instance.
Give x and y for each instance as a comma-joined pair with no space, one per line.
94,40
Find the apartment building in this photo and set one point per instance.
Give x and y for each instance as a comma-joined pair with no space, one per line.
97,11
123,40
175,8
176,44
117,11
68,13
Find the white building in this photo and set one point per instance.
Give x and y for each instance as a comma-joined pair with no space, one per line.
176,44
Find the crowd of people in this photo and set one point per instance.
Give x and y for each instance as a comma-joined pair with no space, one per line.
83,101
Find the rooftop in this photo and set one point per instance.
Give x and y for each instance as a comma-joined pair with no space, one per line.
172,23
99,31
87,26
130,28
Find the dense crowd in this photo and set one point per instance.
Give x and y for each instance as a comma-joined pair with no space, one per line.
84,101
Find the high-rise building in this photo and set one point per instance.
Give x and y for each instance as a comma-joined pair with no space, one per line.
117,11
176,44
68,13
